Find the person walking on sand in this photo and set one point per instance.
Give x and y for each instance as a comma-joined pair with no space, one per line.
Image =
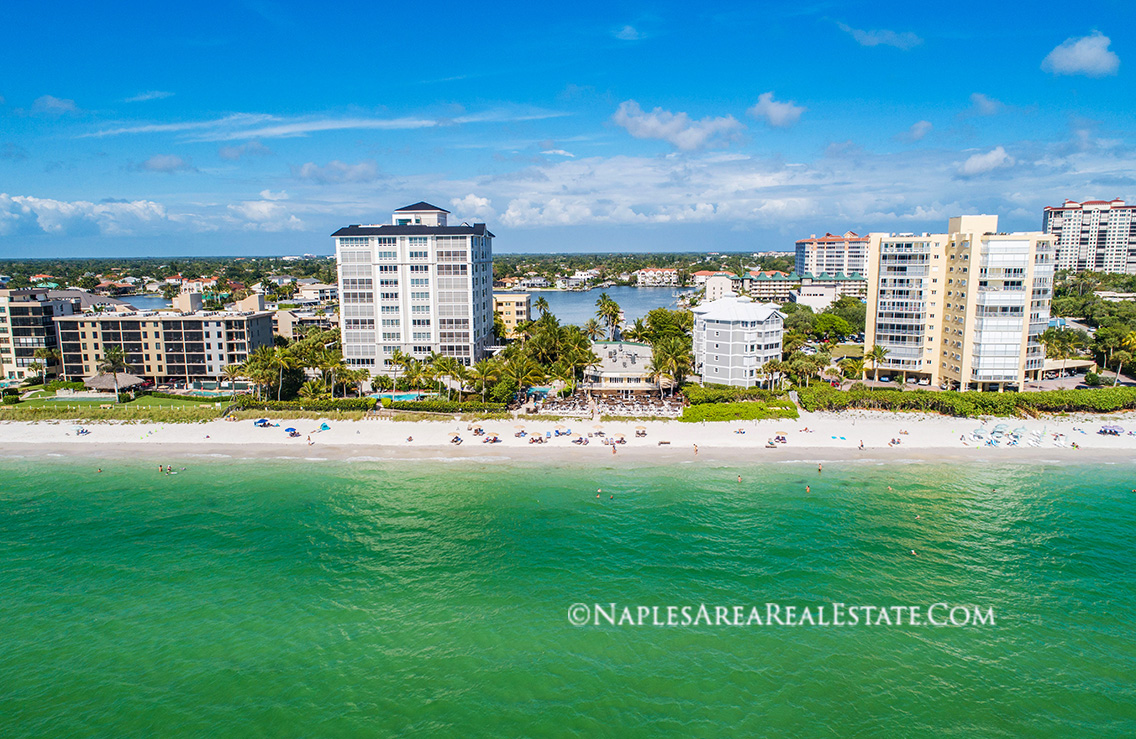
696,450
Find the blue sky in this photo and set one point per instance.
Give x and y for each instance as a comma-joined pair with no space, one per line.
260,127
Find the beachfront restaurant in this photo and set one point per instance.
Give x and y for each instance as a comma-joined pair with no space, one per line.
622,369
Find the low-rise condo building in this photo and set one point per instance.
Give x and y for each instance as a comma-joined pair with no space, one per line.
514,309
27,324
962,309
733,338
656,277
163,345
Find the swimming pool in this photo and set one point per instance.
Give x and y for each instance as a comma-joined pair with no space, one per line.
399,396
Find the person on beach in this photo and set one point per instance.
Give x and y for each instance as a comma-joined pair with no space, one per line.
696,450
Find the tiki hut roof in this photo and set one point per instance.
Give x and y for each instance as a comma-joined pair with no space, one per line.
106,382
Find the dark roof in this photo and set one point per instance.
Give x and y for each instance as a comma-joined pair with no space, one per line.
477,229
422,205
86,300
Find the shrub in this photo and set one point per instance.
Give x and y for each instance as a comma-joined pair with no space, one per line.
504,391
9,391
442,406
699,394
743,411
953,403
190,398
11,399
57,385
1092,379
321,404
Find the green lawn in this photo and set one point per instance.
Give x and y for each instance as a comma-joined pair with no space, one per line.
847,350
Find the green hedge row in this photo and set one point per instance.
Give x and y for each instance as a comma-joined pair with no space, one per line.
744,411
952,403
190,398
699,394
322,404
442,406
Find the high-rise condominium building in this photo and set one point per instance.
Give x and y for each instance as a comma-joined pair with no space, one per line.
962,309
831,253
415,285
27,323
1093,236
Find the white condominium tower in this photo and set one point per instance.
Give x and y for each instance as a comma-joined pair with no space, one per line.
1093,236
832,253
415,285
962,309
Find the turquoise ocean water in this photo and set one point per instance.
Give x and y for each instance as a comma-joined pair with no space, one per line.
431,598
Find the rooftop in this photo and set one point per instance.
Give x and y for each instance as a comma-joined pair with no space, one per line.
420,206
731,308
477,229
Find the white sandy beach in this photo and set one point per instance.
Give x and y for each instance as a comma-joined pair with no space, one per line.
829,436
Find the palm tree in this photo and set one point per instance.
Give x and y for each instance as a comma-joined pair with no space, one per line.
232,373
445,368
875,355
852,366
312,389
282,359
541,306
524,372
638,331
485,373
113,361
399,358
47,358
593,329
671,356
607,310
1122,358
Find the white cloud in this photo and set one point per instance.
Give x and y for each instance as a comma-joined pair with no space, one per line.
905,40
265,215
336,172
269,195
917,132
678,129
229,121
984,105
26,214
775,113
472,205
51,105
978,164
1085,55
167,163
558,153
252,148
628,33
151,95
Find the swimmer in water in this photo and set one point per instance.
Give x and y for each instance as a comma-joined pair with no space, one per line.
913,554
100,469
739,478
820,467
808,489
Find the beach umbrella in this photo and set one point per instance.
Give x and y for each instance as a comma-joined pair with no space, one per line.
980,433
1021,431
598,426
288,431
455,433
644,428
1002,427
263,420
519,426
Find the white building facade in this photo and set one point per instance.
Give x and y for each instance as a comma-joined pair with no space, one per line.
733,338
656,277
1093,236
415,285
832,253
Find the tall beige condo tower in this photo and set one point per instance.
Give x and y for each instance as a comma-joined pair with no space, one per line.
1093,236
963,309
